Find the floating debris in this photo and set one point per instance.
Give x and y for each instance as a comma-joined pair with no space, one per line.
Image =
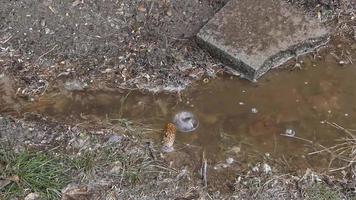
169,137
254,110
289,132
185,121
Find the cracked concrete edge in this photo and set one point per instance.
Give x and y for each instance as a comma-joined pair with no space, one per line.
282,57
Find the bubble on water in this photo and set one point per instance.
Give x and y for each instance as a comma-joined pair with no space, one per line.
254,110
185,121
289,132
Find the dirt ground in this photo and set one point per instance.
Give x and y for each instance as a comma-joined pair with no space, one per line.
127,44
147,45
112,161
131,44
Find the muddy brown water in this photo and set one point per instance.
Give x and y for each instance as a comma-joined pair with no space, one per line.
298,101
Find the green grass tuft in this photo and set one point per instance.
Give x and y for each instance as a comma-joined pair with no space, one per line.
321,192
37,172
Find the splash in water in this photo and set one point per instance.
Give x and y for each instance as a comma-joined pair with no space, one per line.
185,121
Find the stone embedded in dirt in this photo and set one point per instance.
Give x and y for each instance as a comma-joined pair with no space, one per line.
255,36
115,139
32,196
74,85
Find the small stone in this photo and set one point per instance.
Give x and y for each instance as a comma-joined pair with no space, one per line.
267,169
241,103
341,62
74,85
235,150
114,139
117,168
256,169
298,65
229,161
32,196
108,70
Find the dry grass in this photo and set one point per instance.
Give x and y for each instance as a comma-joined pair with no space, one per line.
344,151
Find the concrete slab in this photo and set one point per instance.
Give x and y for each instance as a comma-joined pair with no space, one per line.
253,36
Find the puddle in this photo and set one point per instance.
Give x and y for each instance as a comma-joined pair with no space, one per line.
235,114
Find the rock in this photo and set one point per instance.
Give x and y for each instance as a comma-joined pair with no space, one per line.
266,168
235,150
117,168
185,121
32,196
114,139
75,85
229,161
255,36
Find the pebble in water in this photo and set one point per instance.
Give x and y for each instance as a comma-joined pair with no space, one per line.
185,121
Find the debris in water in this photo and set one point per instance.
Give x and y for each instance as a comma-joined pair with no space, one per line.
289,132
254,110
341,62
185,121
169,136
